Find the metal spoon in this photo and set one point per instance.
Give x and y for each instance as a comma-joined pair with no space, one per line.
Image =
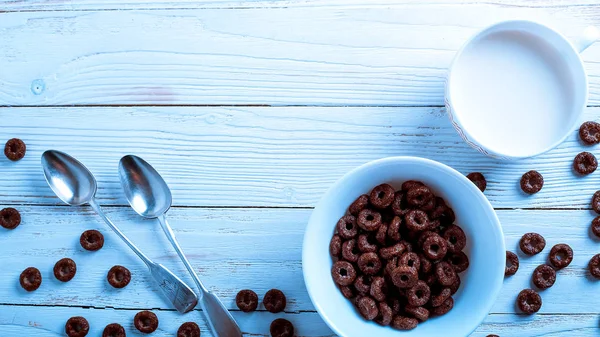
74,184
150,197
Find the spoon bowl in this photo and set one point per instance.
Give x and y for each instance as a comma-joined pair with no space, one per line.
70,180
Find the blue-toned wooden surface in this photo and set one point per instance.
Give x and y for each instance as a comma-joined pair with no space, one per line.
251,110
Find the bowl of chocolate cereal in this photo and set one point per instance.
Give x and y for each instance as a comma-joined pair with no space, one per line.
403,244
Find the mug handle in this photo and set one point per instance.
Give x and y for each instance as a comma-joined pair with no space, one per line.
590,35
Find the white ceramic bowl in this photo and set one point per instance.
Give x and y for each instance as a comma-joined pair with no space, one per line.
485,248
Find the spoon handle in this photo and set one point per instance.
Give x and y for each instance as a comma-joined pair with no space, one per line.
219,318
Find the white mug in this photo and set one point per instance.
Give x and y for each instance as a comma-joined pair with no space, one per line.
517,89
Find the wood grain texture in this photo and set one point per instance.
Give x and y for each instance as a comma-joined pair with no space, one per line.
284,157
254,55
235,249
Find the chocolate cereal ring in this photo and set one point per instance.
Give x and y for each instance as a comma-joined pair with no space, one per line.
343,273
362,284
456,239
596,226
455,286
444,308
419,294
478,179
561,255
369,263
394,251
596,202
274,301
10,218
435,247
359,204
381,235
367,243
281,327
404,323
425,263
114,330
350,251
416,220
347,291
378,289
532,182
529,301
394,229
118,277
544,276
409,184
459,261
419,196
585,163
589,132
440,296
512,264
30,279
247,300
347,227
15,149
594,266
145,321
385,314
188,329
65,269
404,277
335,246
369,220
399,206
77,327
410,259
382,196
420,313
445,273
91,240
422,237
532,243
367,307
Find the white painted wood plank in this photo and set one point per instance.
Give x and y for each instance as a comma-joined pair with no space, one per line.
213,156
384,55
258,249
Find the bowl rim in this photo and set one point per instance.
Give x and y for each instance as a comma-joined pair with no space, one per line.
497,286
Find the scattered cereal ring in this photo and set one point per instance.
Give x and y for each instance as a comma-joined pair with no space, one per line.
366,243
419,196
435,247
335,246
350,251
596,226
381,235
399,206
431,279
407,185
382,196
65,269
428,206
425,263
91,240
15,149
423,236
369,220
369,263
114,330
561,255
585,163
10,218
532,182
459,261
532,243
347,291
343,273
594,266
275,301
346,227
512,264
455,286
445,273
77,327
385,314
444,308
589,132
596,202
378,289
440,296
118,277
281,328
30,279
247,300
478,179
419,294
404,323
362,284
145,321
420,313
404,277
188,329
359,204
367,307
455,237
529,301
394,229
393,251
410,259
416,220
544,276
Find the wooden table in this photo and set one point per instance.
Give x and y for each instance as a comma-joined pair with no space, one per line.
251,110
